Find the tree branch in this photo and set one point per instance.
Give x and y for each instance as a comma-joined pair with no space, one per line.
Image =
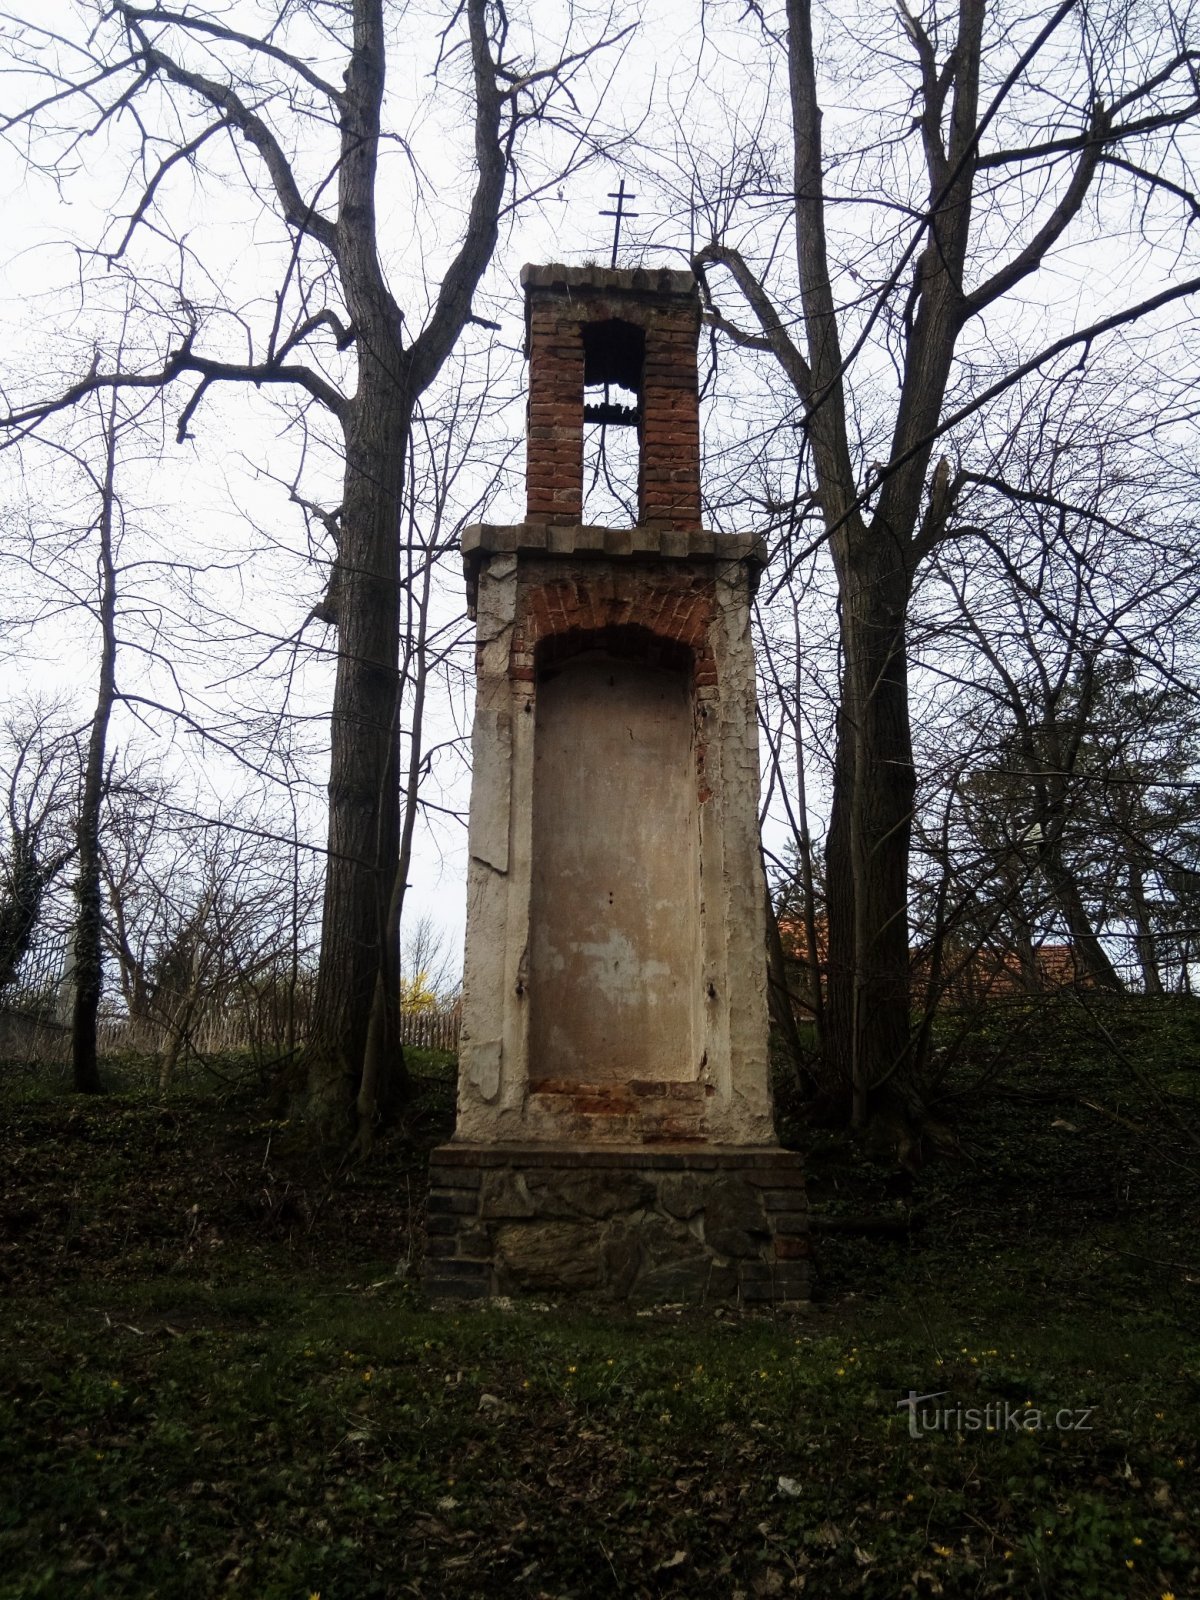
1155,180
1028,259
184,153
296,211
25,419
216,30
826,401
1085,336
453,307
736,335
774,335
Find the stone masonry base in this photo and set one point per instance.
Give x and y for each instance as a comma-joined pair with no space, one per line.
698,1225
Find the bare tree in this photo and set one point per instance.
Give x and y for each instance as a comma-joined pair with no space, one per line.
308,141
39,772
996,143
88,942
209,918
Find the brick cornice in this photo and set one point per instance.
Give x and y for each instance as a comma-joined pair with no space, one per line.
640,281
485,539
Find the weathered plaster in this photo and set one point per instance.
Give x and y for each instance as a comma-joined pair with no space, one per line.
667,807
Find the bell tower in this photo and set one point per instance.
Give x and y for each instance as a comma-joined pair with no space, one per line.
614,1129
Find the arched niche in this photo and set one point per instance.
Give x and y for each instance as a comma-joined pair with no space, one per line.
614,953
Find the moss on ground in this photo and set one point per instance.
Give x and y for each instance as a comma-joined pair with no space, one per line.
218,1377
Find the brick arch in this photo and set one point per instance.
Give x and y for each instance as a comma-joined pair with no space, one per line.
665,613
625,641
656,606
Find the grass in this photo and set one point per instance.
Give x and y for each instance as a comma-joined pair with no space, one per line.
218,1375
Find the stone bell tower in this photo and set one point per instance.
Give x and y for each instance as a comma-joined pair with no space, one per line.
614,1128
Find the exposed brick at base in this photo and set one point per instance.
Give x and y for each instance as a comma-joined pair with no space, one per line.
630,1225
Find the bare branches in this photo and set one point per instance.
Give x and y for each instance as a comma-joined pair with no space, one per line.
185,153
908,300
137,17
297,212
503,104
1034,253
775,337
24,419
831,451
1153,180
453,305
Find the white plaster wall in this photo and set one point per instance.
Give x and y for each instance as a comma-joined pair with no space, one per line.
734,887
484,1064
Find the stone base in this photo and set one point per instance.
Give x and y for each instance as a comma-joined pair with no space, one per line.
695,1224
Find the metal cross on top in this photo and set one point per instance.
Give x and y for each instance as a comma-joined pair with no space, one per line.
620,213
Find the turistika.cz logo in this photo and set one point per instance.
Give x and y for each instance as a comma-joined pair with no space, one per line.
998,1416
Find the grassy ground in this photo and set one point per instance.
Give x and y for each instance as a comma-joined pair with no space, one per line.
217,1376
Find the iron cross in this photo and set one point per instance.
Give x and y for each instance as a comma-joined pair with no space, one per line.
620,197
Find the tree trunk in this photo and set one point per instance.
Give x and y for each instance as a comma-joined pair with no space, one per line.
1022,936
134,989
88,945
811,934
355,1045
359,971
869,1023
177,1031
781,1002
1085,942
384,1042
357,982
839,915
1144,938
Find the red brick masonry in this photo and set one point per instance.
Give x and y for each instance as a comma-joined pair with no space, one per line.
664,307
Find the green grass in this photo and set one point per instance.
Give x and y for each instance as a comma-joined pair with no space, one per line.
218,1376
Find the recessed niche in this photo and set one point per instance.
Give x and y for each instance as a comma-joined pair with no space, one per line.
614,969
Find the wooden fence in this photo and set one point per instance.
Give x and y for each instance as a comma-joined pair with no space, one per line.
33,1028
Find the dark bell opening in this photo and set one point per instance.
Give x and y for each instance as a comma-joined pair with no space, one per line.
614,352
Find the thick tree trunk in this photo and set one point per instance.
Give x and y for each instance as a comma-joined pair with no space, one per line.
1022,937
867,1033
88,948
1085,942
781,1002
839,912
359,971
383,1063
1144,938
357,999
355,1057
811,935
868,1023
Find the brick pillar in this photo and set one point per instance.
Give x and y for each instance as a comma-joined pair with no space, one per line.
669,475
554,469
